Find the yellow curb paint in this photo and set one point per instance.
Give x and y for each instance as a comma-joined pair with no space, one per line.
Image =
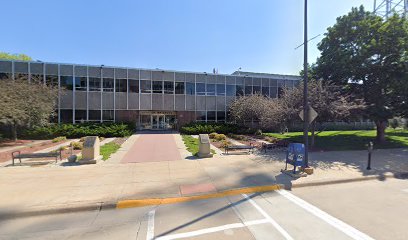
158,201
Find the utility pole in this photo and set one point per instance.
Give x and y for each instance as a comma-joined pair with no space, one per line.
305,97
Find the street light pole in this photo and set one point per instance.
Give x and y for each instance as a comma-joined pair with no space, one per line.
305,100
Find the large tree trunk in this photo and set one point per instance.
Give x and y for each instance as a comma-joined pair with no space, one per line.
381,126
14,131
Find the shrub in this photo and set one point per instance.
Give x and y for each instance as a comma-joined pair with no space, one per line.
206,128
225,143
59,139
81,130
77,145
63,148
220,137
258,132
212,135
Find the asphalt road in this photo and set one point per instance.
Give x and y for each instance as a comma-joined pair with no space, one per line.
327,212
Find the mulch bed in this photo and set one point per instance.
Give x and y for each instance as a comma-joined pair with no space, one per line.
6,156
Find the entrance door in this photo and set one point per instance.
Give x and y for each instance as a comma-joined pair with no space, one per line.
155,122
158,121
161,121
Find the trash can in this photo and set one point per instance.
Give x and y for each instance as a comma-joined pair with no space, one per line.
204,146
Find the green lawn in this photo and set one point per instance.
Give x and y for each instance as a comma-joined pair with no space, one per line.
348,140
192,144
108,149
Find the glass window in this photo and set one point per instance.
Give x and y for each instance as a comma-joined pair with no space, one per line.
133,85
107,115
210,89
66,116
108,84
248,90
210,116
146,86
94,115
80,83
157,87
220,89
51,80
66,82
121,85
80,115
200,88
180,87
221,116
273,92
256,90
265,91
94,84
231,90
37,78
168,87
190,88
239,90
200,116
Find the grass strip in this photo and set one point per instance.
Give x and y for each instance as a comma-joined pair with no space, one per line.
108,149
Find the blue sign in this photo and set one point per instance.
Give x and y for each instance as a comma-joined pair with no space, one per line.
295,155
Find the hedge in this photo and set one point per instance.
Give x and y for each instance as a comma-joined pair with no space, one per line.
80,130
207,128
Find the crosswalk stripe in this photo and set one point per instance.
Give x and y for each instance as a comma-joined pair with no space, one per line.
270,219
340,225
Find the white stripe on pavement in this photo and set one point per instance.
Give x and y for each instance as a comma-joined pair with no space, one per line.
150,225
340,225
212,230
273,222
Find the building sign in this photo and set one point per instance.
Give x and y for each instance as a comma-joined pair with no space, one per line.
157,113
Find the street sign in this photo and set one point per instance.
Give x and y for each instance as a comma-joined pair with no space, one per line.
312,115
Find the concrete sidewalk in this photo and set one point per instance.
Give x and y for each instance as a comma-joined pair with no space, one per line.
27,191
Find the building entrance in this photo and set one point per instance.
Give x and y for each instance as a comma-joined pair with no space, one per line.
157,120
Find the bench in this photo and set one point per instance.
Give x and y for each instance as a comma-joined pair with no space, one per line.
279,144
239,147
19,155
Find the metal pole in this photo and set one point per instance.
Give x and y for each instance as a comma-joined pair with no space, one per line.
305,100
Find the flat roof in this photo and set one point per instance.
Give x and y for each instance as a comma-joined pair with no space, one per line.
235,74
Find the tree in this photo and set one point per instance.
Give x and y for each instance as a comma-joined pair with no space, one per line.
367,55
276,113
26,105
9,56
325,98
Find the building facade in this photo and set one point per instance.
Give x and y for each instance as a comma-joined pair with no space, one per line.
153,99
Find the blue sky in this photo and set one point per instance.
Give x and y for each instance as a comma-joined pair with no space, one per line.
192,35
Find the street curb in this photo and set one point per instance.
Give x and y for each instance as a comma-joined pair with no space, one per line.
401,175
158,201
59,210
99,206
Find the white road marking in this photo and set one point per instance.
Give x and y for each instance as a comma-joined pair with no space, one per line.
273,222
340,225
212,230
405,190
150,225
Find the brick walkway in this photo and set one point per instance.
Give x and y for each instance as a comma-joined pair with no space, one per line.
153,147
